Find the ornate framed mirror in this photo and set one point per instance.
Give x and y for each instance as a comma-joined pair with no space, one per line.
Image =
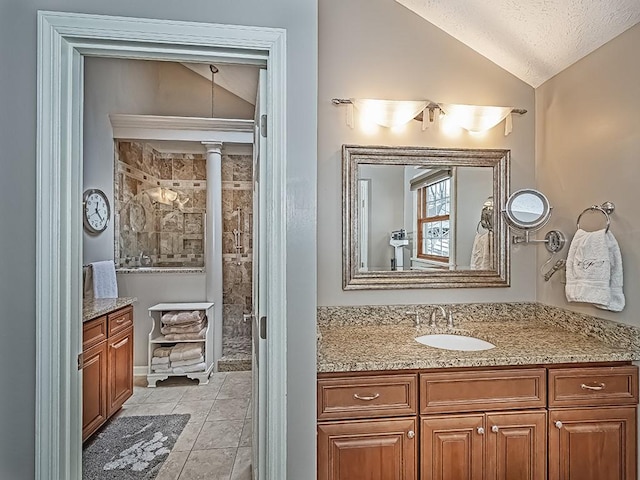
420,217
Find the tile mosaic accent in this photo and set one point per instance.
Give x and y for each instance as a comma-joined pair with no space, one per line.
160,207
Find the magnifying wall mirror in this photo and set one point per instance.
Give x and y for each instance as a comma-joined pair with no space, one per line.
417,217
527,209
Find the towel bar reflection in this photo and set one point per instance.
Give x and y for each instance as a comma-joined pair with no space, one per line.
607,208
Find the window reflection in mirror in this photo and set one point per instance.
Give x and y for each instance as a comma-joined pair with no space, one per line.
417,217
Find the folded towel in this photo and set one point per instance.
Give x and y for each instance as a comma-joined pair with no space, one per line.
481,256
198,367
589,269
186,351
186,363
178,317
162,351
160,361
104,279
617,301
191,327
176,337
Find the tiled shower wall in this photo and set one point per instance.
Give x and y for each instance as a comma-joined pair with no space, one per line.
172,234
237,214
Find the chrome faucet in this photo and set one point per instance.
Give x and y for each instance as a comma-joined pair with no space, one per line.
445,315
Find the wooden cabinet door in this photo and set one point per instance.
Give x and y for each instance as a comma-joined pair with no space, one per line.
452,447
120,370
516,445
368,450
592,444
94,389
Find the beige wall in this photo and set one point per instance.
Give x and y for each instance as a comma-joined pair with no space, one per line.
587,152
379,49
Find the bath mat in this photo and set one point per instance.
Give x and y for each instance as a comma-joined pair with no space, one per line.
131,448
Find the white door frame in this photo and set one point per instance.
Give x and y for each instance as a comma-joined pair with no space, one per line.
63,40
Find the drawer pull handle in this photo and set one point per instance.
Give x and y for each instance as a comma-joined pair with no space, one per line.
120,320
366,398
558,424
480,431
598,387
495,429
411,434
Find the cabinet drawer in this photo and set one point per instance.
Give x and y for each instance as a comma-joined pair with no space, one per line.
120,320
482,391
93,332
570,387
367,397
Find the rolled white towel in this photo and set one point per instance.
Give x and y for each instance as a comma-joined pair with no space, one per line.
186,363
198,367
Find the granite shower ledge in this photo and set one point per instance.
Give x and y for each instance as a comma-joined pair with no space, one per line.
96,307
353,348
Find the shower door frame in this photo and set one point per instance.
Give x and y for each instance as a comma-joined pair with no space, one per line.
64,39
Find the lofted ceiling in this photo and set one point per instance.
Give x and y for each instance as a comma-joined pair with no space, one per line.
241,80
532,39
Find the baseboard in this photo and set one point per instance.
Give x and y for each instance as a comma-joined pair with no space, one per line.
140,371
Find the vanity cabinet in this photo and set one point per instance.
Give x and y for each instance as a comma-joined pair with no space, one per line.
500,423
504,435
107,367
367,427
592,423
501,445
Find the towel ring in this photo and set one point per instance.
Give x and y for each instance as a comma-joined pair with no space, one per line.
606,209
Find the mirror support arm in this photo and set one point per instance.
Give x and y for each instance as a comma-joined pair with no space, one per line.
554,240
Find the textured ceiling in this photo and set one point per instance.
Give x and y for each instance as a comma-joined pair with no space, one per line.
532,39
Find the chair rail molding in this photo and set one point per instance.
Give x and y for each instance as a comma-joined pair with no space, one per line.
63,40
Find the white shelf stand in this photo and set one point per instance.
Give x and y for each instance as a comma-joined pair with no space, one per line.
156,339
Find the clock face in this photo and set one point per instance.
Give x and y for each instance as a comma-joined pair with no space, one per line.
96,211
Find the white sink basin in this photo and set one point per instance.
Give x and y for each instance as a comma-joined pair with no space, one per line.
454,342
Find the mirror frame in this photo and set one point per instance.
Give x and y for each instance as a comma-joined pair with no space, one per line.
354,155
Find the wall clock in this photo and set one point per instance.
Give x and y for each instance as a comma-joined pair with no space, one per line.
95,211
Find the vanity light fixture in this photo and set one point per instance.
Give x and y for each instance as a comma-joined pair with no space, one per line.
393,113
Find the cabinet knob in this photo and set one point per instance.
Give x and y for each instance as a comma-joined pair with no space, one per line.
411,434
558,424
480,431
495,429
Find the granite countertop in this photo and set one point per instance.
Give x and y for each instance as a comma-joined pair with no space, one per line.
95,307
519,341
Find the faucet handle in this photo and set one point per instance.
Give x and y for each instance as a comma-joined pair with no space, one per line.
417,317
450,319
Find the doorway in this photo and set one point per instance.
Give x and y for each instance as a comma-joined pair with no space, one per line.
65,39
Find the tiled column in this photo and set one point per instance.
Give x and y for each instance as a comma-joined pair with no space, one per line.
213,239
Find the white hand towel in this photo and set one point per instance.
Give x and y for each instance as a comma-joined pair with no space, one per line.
104,279
589,269
617,301
160,361
481,257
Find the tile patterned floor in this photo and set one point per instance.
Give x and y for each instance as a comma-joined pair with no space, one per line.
216,443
